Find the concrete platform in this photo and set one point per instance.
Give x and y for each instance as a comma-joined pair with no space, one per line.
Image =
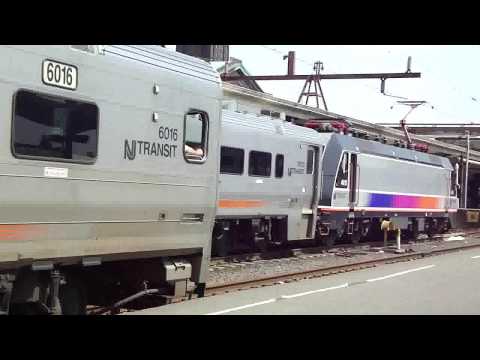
446,284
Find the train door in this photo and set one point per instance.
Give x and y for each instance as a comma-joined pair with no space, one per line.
310,205
347,181
353,181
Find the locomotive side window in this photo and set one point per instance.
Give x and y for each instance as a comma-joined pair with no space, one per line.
279,166
231,160
259,163
310,161
342,175
196,133
53,128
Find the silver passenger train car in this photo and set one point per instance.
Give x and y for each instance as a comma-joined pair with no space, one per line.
108,173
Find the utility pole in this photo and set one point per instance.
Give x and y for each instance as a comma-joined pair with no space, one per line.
463,196
467,132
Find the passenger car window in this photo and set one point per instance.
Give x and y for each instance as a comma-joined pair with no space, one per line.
342,174
279,166
231,160
259,163
54,128
196,133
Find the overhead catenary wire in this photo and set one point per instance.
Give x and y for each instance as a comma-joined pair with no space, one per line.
312,64
374,90
450,88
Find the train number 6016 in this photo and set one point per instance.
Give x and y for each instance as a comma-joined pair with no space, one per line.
59,75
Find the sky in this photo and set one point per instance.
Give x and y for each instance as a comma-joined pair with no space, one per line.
450,79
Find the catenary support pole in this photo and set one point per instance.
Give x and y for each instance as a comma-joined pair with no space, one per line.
466,168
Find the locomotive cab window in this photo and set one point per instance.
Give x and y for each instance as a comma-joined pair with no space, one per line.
195,142
53,128
342,174
259,164
279,166
231,160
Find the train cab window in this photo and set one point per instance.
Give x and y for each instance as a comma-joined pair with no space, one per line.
342,174
310,161
196,133
231,160
259,164
54,128
279,166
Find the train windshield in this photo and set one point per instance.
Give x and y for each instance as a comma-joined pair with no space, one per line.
342,174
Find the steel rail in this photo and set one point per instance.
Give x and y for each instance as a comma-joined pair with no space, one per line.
293,276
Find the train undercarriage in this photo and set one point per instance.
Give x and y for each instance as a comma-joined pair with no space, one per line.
232,236
362,229
68,290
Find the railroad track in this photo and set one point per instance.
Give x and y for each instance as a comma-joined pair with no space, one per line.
324,271
313,273
309,253
288,252
244,259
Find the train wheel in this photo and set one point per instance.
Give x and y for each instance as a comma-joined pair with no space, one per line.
356,237
445,226
430,230
329,240
365,231
221,242
414,233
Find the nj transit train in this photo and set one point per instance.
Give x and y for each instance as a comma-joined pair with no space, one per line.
110,181
280,183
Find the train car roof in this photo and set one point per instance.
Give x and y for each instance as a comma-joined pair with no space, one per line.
267,125
159,57
357,145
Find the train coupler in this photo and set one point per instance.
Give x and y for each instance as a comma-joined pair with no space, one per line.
176,273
